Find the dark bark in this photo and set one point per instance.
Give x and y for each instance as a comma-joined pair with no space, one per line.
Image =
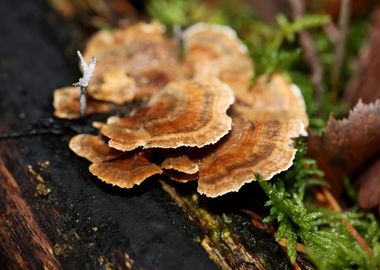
80,223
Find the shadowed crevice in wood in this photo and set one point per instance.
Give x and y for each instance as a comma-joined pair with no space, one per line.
228,237
20,230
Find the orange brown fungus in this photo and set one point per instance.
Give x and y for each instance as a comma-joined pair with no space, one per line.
184,113
113,166
181,164
127,171
181,176
140,55
66,104
274,98
189,114
260,141
116,87
93,148
215,50
251,147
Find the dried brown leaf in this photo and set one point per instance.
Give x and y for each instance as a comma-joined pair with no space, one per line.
369,187
347,144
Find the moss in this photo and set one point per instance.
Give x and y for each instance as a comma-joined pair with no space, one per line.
322,231
230,239
42,190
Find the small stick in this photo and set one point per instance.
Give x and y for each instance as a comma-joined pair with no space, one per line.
84,81
354,233
340,50
178,39
256,220
310,53
332,32
299,247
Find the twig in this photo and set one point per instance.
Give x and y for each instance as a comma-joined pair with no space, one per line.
84,81
340,49
332,32
310,53
256,220
354,233
178,39
299,247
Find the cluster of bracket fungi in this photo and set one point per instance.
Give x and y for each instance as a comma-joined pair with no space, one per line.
199,118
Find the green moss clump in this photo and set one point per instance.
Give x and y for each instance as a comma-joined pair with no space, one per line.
328,243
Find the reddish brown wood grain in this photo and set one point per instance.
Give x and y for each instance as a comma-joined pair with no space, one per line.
19,229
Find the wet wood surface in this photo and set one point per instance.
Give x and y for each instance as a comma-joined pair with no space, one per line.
80,223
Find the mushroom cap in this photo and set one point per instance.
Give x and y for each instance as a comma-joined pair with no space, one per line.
211,44
140,51
93,148
184,113
265,148
260,141
125,172
274,98
116,87
180,163
124,41
215,50
66,103
181,177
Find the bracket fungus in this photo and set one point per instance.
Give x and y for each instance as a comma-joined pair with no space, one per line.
216,51
66,104
252,147
112,166
93,148
199,119
181,164
125,172
260,141
141,51
116,87
184,113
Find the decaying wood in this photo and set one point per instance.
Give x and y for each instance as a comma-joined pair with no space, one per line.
222,240
18,226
